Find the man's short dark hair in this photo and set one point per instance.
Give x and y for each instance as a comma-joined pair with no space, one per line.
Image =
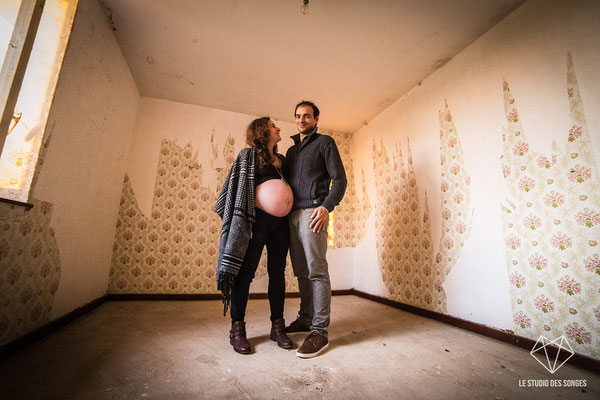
310,104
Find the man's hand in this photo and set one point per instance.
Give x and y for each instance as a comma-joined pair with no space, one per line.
319,219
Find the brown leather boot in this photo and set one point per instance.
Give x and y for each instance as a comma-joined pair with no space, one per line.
237,337
278,334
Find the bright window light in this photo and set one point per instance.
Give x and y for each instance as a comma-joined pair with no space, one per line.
26,129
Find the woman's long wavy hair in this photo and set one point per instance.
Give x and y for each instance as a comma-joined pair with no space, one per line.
257,136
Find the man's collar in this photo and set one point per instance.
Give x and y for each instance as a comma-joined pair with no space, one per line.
296,137
315,129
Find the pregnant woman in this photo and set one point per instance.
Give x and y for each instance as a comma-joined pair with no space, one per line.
254,203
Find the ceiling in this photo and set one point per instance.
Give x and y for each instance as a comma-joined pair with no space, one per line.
353,58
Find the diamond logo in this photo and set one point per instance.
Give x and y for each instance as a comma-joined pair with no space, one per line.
552,354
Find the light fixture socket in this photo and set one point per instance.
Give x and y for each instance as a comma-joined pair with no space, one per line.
304,8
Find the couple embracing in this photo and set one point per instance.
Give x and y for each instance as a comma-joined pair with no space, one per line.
280,202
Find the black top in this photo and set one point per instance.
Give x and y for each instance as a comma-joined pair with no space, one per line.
265,173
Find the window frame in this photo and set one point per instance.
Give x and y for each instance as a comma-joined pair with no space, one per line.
14,67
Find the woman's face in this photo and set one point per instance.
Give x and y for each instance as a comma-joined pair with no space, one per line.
274,136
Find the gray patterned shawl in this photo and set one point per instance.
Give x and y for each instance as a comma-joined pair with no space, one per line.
235,205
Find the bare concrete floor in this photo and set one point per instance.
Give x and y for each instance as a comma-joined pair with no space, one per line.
180,350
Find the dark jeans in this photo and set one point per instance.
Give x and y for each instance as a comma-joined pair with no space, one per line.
274,233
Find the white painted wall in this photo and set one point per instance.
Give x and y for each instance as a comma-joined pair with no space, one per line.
88,136
529,49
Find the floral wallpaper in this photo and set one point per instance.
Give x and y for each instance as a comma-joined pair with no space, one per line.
350,217
175,248
29,268
552,227
405,249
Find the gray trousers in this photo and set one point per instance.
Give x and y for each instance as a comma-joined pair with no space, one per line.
307,252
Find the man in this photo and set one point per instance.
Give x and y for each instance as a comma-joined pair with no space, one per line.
314,164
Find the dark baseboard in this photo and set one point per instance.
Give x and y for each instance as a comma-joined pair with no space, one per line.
578,360
203,296
45,330
162,296
346,292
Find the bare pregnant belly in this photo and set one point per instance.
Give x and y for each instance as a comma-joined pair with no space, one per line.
274,197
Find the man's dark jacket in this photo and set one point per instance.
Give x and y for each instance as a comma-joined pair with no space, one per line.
313,164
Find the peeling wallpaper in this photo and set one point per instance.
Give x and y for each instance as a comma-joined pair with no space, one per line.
531,266
405,248
552,227
175,248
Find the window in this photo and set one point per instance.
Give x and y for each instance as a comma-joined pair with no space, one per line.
33,36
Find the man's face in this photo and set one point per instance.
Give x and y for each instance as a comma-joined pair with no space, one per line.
305,120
